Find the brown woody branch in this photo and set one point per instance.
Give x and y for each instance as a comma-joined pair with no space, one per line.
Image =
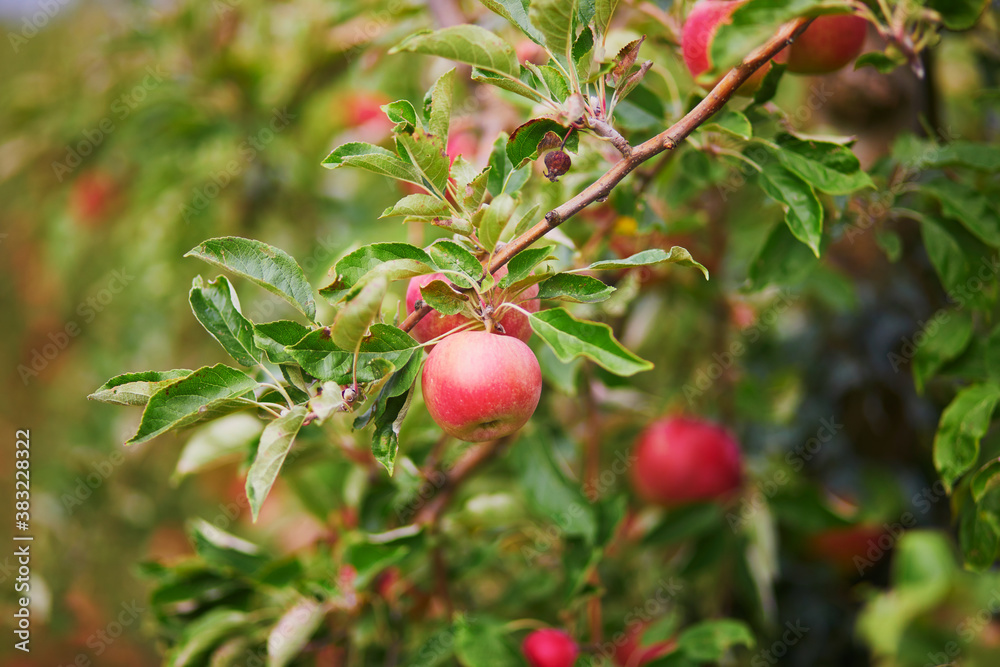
666,140
466,464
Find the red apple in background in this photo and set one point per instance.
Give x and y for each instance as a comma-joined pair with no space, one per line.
829,43
698,33
462,143
364,107
631,653
436,324
549,648
528,51
682,460
480,386
93,197
840,546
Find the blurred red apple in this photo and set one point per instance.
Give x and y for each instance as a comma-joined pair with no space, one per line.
828,44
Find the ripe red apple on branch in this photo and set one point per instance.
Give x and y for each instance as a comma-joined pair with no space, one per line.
480,386
513,322
549,648
698,34
829,43
683,460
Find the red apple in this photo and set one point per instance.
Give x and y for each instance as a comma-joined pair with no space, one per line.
631,653
480,386
840,546
93,197
462,143
364,107
436,324
528,51
828,44
549,648
697,35
681,460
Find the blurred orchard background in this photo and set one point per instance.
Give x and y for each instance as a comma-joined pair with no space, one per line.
130,132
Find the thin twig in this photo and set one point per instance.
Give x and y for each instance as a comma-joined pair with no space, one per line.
466,464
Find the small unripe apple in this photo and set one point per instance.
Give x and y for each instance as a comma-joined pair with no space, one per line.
698,33
682,460
480,386
434,324
549,648
829,43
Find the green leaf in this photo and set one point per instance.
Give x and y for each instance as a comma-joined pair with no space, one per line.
206,394
769,86
709,641
573,287
570,338
385,442
963,424
403,115
922,154
293,631
676,255
968,206
479,643
959,14
270,267
829,167
731,122
419,205
523,263
353,320
782,260
395,261
943,338
583,49
225,550
439,117
684,523
523,144
554,80
372,158
470,184
275,442
604,10
223,440
803,211
218,309
979,531
429,156
884,62
384,350
442,297
468,44
986,479
494,219
550,494
554,20
503,177
204,633
945,253
516,86
273,337
514,11
135,388
450,256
